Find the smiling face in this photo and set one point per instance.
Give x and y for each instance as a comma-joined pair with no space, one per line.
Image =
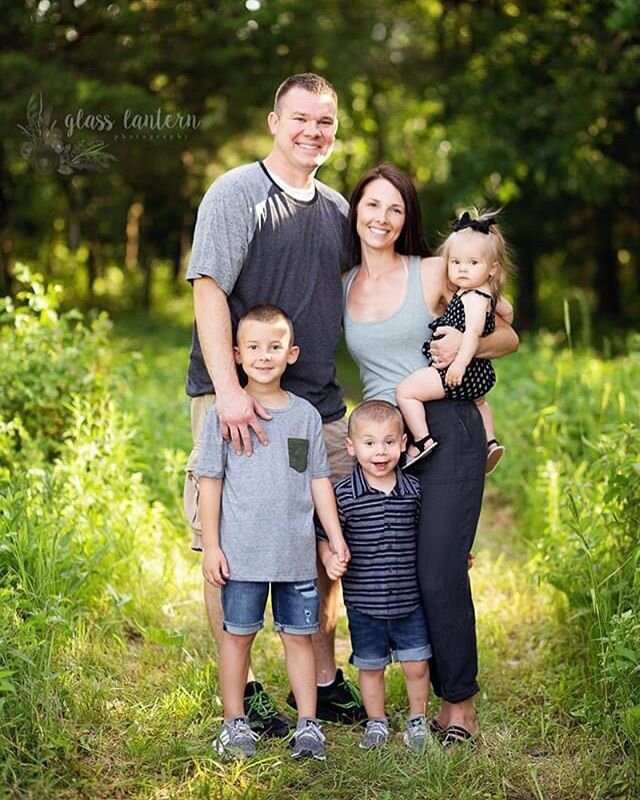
381,215
468,263
304,131
377,445
264,350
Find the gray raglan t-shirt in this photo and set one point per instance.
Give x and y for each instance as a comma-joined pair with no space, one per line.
262,246
267,531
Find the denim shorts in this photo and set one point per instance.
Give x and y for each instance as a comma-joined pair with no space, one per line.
295,606
376,642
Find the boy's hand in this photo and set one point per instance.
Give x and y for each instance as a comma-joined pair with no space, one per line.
341,551
214,567
334,566
455,374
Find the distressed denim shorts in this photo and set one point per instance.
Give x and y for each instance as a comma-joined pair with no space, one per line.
295,606
376,642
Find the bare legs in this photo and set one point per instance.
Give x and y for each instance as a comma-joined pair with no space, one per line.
462,714
417,680
323,641
301,670
487,417
233,668
424,384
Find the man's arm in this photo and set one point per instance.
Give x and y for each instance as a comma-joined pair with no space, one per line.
237,411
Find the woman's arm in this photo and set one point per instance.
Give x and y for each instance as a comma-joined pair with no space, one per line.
504,309
501,342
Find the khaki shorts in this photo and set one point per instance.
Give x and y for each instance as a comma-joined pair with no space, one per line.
340,461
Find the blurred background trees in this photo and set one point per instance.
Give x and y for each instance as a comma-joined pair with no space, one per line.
530,105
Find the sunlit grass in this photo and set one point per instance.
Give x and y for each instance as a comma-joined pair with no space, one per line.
112,688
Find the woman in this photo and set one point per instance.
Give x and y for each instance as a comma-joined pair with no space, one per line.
392,293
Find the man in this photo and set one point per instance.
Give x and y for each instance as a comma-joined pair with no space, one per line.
270,233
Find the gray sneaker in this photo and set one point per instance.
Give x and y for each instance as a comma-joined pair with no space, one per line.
235,739
415,735
375,734
308,740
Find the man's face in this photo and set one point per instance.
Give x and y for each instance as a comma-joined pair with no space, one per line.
304,129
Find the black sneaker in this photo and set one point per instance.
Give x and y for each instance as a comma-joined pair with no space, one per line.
340,702
264,717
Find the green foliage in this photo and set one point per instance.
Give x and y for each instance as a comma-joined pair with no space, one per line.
577,481
49,359
82,542
528,104
108,682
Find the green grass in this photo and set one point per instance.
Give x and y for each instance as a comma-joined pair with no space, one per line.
124,702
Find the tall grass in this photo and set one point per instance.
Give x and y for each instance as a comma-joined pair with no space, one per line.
82,542
571,421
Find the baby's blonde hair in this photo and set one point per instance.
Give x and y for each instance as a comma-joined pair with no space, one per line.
498,250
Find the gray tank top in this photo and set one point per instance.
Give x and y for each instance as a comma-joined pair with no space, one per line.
388,350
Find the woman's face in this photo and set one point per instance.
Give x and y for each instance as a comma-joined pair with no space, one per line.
380,215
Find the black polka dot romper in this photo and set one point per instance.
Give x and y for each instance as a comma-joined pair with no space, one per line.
479,376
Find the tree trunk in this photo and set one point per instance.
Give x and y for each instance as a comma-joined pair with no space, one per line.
527,307
134,219
6,238
607,277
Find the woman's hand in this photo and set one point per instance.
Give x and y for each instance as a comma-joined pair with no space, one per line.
444,346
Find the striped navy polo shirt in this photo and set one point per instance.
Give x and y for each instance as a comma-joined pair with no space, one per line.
381,531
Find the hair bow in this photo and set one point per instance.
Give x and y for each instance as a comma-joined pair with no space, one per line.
480,225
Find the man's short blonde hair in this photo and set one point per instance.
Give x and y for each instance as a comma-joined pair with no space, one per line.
309,81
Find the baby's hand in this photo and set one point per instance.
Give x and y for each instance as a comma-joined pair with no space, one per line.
215,567
455,374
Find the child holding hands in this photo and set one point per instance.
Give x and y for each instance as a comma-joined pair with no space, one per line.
379,508
258,532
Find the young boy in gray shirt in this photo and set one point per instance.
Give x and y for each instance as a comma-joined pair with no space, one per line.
258,531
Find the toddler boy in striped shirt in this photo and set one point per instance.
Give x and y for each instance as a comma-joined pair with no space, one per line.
379,506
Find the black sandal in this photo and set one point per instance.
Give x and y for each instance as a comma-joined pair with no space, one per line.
456,734
495,451
425,446
436,729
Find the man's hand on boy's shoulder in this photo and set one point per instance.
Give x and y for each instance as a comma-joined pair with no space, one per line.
215,567
239,414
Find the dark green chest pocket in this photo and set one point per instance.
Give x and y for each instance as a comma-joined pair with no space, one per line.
298,453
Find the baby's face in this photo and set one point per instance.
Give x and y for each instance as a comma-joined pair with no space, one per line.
377,446
469,266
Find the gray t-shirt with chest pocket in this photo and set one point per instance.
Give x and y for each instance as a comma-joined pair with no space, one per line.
267,531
